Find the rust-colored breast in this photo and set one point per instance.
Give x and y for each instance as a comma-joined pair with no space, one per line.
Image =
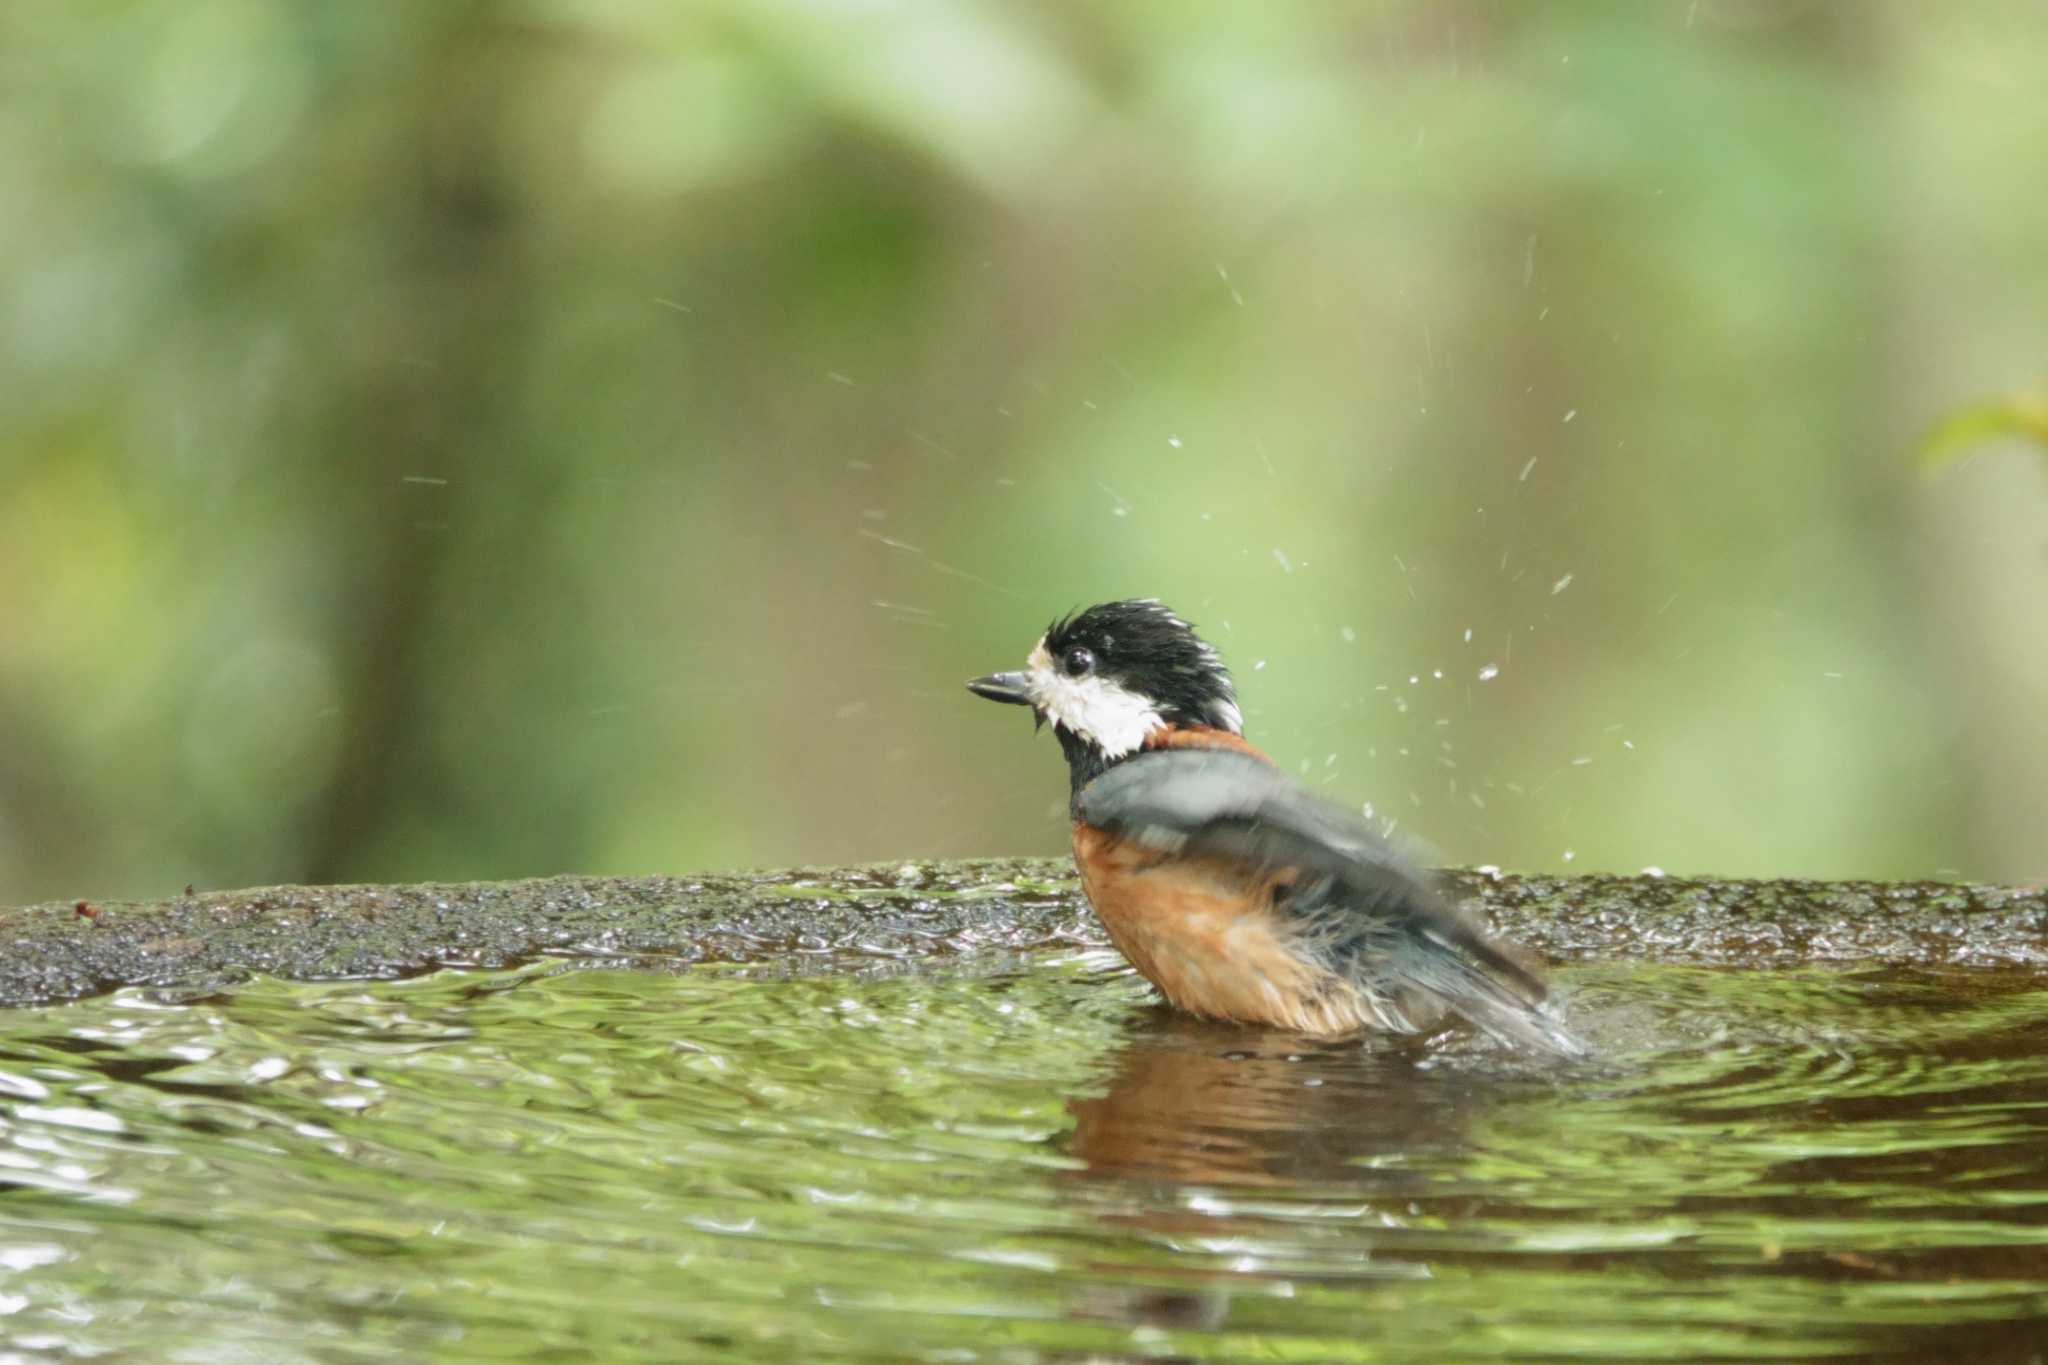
1205,931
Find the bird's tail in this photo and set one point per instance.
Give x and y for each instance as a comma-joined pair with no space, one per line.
1470,975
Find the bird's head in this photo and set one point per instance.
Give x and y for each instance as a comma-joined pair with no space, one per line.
1109,676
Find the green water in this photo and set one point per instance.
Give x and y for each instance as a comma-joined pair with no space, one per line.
1033,1165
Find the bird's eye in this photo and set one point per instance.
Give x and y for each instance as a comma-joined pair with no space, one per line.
1079,662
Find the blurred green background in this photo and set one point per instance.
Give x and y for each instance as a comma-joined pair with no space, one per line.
473,440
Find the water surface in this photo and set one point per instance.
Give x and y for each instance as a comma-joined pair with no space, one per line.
1034,1164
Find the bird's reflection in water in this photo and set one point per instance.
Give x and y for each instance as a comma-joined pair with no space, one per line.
1192,1102
1231,1143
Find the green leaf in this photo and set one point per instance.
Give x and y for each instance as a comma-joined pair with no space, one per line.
1958,434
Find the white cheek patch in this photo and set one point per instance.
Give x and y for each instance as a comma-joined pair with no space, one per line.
1110,717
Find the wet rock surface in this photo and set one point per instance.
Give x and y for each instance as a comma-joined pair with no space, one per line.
932,916
1765,923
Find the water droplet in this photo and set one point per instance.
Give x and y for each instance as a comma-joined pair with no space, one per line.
1280,558
1560,585
1489,673
1350,635
1569,855
1571,414
1173,441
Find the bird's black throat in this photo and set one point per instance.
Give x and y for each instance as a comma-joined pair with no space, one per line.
1085,763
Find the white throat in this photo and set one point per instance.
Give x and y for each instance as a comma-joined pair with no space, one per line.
1112,718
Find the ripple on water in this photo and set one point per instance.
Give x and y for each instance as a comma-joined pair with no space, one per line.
1037,1163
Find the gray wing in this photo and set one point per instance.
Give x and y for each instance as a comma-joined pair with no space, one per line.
1357,902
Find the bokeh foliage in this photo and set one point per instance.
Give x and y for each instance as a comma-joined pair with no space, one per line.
468,440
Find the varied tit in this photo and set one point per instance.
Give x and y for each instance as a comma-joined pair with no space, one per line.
1231,887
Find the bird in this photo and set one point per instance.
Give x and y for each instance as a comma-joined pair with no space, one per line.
1238,893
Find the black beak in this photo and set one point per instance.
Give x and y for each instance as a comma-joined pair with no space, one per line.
1006,687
